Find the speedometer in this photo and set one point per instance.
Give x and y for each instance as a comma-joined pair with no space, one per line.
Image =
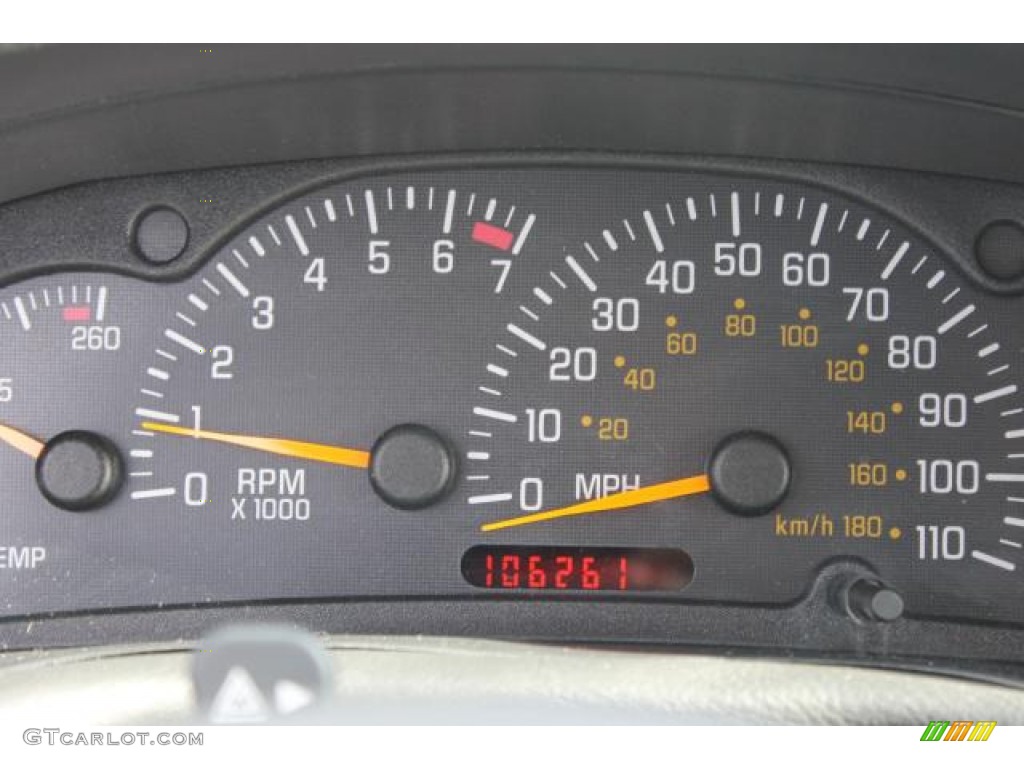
760,379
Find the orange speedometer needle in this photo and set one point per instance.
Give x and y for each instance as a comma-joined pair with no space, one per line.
674,489
328,454
21,441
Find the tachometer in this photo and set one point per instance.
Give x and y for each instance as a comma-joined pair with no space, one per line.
762,378
301,404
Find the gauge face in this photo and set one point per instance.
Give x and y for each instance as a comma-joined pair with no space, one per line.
638,386
767,378
302,403
63,341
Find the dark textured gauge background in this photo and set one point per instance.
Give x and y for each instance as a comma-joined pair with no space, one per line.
587,206
346,364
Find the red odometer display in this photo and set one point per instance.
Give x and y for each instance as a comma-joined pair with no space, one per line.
605,569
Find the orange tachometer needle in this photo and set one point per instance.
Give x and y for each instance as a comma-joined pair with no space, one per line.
21,441
328,454
674,489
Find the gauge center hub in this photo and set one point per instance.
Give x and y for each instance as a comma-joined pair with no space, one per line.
750,473
412,467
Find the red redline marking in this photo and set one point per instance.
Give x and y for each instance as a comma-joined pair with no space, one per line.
77,314
496,237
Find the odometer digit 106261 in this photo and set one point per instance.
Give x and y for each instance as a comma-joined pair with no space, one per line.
601,569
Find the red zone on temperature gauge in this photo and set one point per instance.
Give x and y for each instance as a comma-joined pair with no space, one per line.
609,569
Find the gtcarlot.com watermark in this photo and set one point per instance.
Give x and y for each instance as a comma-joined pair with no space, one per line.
55,737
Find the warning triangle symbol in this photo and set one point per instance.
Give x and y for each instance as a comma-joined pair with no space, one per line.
291,697
239,699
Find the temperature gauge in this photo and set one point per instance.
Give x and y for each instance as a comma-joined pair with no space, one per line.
63,346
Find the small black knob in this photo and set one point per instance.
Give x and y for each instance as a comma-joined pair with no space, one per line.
161,235
412,467
750,473
79,471
871,600
999,250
